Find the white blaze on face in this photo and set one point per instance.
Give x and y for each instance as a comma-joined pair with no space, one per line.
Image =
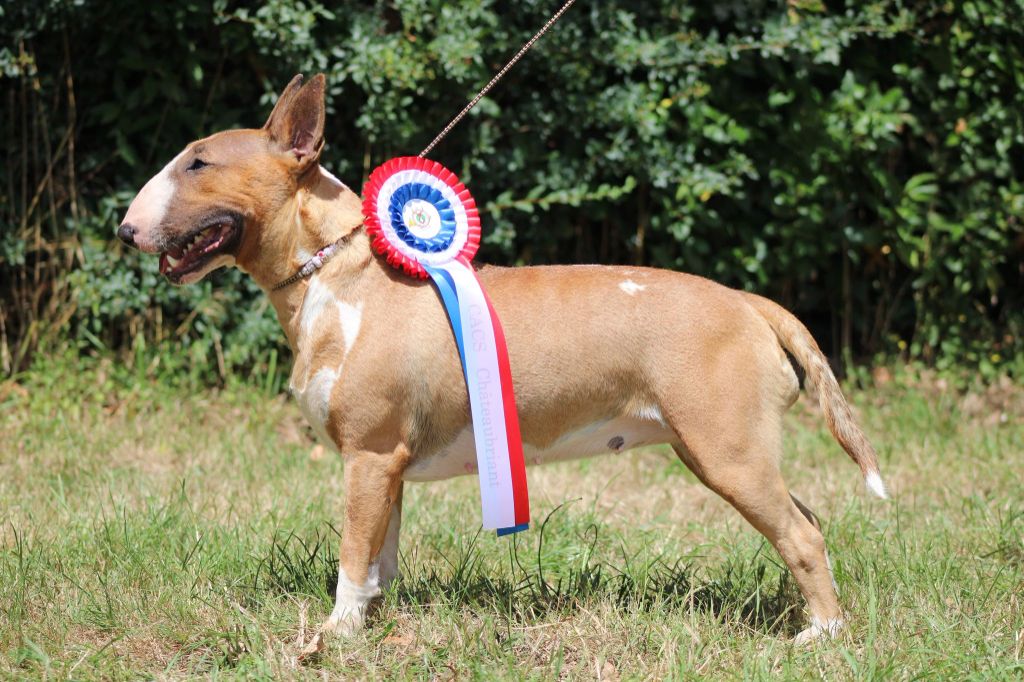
148,209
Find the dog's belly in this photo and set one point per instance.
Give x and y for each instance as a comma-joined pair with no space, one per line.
458,458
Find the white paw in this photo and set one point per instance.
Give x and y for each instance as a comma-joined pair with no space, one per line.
818,630
349,612
340,626
344,625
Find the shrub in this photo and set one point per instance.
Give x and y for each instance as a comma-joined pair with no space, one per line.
859,162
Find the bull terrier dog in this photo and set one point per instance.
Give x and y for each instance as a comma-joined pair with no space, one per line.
603,358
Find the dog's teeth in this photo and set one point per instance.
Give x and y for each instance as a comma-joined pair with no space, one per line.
172,261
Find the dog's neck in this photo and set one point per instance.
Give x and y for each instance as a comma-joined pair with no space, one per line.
323,211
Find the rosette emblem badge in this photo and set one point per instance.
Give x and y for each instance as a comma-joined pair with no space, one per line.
423,221
419,215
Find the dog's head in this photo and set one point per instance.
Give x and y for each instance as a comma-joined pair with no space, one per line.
210,205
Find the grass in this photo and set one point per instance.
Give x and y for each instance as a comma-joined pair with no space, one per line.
161,534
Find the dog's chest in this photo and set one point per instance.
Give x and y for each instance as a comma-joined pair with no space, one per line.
614,435
328,329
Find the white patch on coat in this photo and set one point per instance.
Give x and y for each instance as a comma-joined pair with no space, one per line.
631,287
458,458
317,297
650,413
875,484
326,174
315,400
351,600
149,207
351,319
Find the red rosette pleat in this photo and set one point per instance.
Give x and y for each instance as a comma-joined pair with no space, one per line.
385,241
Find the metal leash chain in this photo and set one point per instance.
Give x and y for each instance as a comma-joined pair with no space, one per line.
455,121
322,256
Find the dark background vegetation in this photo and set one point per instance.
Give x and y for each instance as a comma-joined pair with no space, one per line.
861,163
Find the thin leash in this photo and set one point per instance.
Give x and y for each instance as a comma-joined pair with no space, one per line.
480,95
322,256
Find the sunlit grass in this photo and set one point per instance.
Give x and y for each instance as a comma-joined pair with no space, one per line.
149,532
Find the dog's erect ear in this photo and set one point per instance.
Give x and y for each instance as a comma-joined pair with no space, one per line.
282,101
296,124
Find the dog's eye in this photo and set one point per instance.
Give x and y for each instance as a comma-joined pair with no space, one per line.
196,164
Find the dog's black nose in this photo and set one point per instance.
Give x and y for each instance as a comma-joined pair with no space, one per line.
127,233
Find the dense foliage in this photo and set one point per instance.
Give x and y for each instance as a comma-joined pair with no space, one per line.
862,163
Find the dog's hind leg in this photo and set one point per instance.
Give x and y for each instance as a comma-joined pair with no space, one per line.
389,550
369,538
813,519
748,477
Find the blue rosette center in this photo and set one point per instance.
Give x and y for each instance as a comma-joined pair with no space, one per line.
422,217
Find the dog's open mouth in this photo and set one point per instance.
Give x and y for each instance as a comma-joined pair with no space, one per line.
198,249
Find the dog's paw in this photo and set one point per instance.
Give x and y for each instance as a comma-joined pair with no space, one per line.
819,630
335,626
343,626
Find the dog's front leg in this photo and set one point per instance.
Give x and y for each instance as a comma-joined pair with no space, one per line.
388,557
369,538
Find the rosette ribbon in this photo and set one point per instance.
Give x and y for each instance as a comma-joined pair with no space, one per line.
423,221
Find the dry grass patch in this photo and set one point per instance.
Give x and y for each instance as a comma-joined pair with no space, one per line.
149,533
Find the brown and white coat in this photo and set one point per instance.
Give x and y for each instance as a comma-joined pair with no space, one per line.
603,358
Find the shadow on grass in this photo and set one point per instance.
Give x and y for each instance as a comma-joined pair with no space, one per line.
739,591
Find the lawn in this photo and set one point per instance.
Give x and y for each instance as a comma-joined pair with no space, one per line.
158,532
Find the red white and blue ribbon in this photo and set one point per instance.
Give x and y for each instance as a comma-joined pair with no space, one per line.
425,222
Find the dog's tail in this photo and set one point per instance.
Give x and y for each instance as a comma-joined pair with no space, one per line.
798,341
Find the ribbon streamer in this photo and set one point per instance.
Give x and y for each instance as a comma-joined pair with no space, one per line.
425,222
